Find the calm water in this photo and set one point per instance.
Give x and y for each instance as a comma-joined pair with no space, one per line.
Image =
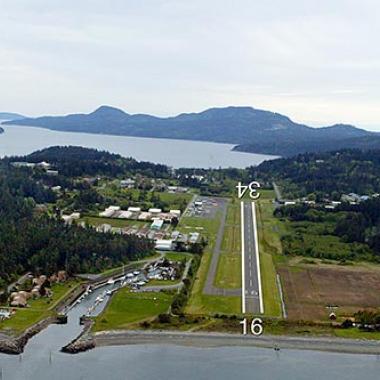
19,140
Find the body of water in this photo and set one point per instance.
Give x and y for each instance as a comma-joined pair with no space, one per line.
18,140
42,360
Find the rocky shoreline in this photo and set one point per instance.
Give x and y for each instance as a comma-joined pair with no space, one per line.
15,346
83,342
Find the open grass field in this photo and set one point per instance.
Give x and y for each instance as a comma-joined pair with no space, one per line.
200,303
228,274
21,320
38,309
126,308
113,192
177,256
309,288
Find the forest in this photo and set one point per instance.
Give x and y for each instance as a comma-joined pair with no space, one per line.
75,161
323,174
35,241
349,232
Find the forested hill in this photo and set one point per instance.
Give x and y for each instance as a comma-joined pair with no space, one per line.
331,173
252,130
77,161
324,143
38,241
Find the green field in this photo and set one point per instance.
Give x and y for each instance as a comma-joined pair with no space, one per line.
38,309
128,307
128,197
177,256
228,274
270,249
200,303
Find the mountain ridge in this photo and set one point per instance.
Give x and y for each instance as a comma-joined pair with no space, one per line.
248,128
10,116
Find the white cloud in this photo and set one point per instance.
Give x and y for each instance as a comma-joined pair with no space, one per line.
312,61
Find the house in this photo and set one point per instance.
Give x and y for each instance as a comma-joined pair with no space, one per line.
68,219
125,215
145,216
155,211
43,164
175,235
193,237
127,183
20,164
19,299
175,213
351,198
52,172
4,314
104,228
109,212
164,245
157,224
134,209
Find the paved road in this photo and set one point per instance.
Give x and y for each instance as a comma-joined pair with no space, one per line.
209,287
251,290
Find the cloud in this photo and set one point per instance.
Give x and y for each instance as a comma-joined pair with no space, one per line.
313,61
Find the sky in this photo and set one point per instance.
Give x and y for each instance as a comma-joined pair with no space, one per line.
315,61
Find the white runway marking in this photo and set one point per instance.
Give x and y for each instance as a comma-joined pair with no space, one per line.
242,258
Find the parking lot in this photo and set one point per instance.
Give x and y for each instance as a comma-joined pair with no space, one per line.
204,207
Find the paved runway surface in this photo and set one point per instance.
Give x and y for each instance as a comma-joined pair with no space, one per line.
251,299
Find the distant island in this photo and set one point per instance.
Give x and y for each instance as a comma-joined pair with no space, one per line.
10,116
251,130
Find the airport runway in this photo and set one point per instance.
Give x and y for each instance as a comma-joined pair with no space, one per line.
251,277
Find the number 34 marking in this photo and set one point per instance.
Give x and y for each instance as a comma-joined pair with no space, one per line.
252,187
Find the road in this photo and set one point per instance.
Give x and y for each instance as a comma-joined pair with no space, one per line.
251,277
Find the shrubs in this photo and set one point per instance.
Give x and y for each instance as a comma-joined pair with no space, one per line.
181,298
164,318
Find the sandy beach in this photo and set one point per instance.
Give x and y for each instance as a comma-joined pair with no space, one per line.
127,337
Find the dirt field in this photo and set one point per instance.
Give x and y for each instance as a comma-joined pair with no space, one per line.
309,288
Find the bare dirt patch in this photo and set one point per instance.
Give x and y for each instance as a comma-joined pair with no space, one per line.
308,289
